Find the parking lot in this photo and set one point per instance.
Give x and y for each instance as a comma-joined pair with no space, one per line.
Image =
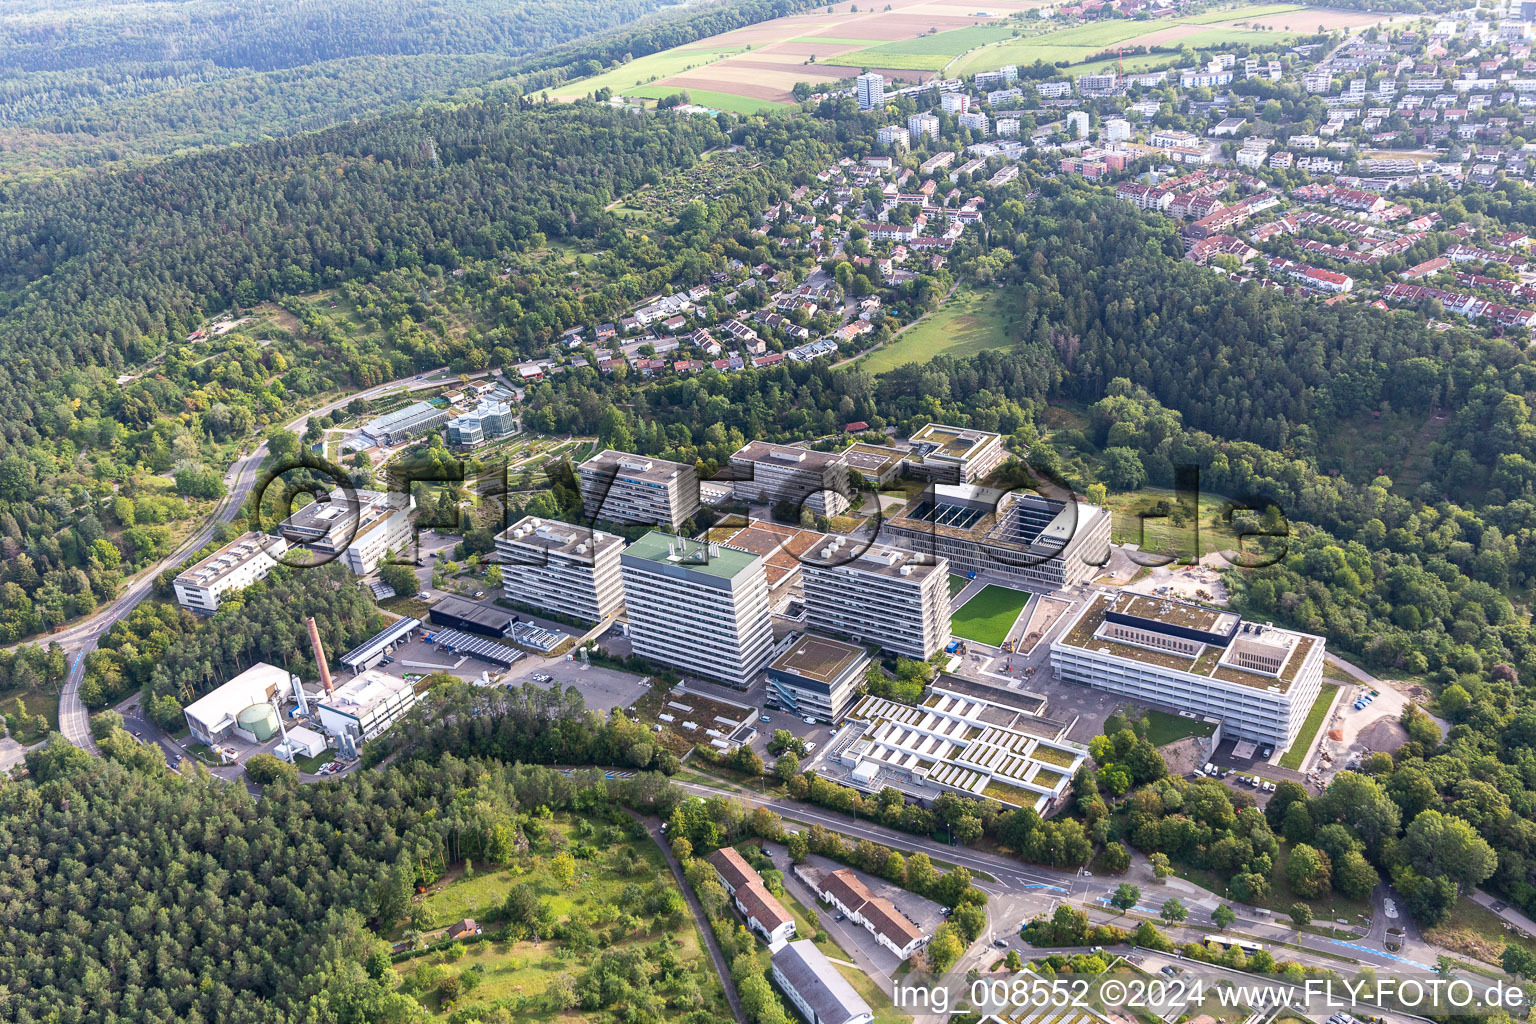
603,688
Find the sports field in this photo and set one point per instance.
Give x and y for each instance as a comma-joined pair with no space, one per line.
987,617
968,324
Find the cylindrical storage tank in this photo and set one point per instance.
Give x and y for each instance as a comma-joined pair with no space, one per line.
259,720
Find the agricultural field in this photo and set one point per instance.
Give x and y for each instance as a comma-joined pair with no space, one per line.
987,617
598,890
968,323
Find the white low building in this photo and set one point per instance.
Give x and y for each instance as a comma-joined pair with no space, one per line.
235,566
813,984
366,706
214,716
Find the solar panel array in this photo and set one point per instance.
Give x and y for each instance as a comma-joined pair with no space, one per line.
476,647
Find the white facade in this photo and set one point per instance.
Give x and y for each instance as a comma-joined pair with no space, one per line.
243,561
1259,681
894,137
884,596
212,716
813,984
701,609
766,472
637,489
919,125
871,90
1116,129
366,706
560,568
1078,120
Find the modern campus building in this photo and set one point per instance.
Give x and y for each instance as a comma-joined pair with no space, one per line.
560,568
403,424
625,488
876,915
471,617
1260,681
884,596
360,535
365,706
700,608
959,742
489,420
1022,538
813,984
215,715
766,472
954,455
232,568
817,678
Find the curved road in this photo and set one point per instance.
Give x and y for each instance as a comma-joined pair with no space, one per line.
81,638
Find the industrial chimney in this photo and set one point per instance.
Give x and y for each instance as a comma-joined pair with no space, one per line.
325,670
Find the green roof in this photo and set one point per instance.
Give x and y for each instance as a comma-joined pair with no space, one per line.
667,549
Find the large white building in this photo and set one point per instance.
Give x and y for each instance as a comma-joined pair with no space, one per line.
893,136
767,472
403,424
919,125
365,706
813,984
1022,538
871,90
235,566
560,568
1260,681
882,596
817,678
215,715
700,608
625,488
356,534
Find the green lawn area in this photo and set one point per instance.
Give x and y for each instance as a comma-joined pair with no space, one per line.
709,98
1475,931
987,617
968,324
1165,728
884,1010
956,584
1292,758
890,59
837,41
1240,13
1158,534
622,80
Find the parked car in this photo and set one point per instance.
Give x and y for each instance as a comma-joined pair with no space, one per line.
1000,943
423,595
764,718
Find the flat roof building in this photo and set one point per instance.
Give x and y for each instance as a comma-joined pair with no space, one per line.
358,536
637,489
235,566
770,473
364,707
471,617
957,742
1021,537
488,420
213,716
372,651
954,455
403,424
813,984
560,568
817,677
884,596
700,608
1259,680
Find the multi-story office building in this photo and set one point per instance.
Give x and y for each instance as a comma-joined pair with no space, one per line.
1022,538
919,125
403,424
954,455
487,421
625,488
357,533
700,608
230,569
817,678
813,984
766,472
871,89
560,568
1260,681
884,596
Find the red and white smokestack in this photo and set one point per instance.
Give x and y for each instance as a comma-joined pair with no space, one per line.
325,670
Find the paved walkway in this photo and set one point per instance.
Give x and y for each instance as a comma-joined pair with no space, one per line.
1507,913
705,931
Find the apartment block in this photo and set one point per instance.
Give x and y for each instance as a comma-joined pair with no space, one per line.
1260,681
700,608
560,568
766,472
883,596
235,566
637,489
